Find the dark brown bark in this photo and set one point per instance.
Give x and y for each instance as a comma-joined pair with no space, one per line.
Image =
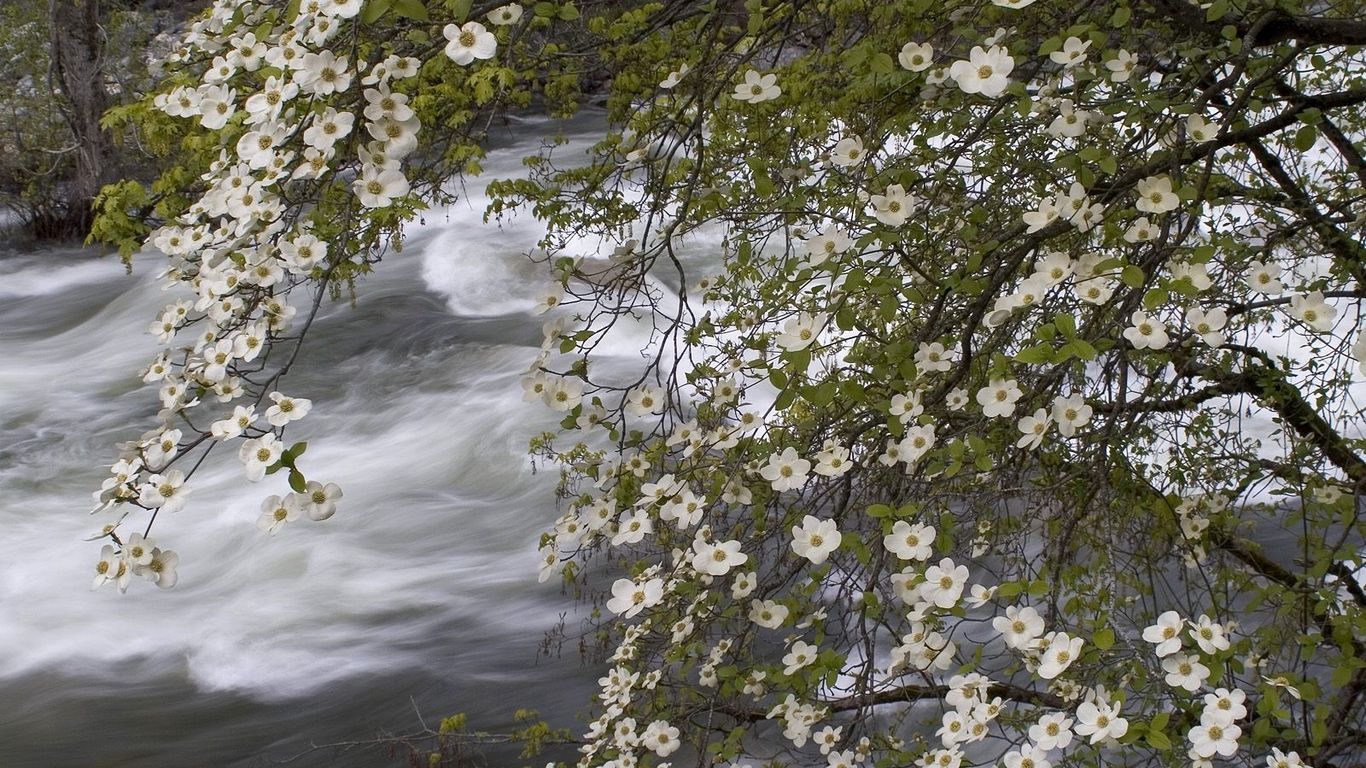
78,73
1269,27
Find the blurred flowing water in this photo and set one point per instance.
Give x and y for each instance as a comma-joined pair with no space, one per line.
419,595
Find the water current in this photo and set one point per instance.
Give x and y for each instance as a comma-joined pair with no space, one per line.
419,596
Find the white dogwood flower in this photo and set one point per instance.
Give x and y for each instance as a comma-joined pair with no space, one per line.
815,539
468,42
986,71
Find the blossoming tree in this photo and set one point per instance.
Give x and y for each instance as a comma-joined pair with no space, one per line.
1012,421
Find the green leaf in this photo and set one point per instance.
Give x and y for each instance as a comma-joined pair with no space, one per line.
1104,639
460,9
297,483
1155,298
844,319
1158,740
294,452
944,541
1066,324
568,12
1132,276
1159,721
545,10
1185,288
1079,348
373,10
907,369
822,395
785,399
1318,731
743,252
853,57
852,391
1120,18
1217,10
1305,138
1039,353
879,511
412,9
1261,729
1107,265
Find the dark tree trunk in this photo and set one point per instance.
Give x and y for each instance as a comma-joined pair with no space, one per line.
78,71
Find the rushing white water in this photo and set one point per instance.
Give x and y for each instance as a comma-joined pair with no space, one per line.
421,592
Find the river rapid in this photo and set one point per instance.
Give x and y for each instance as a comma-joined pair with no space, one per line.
419,596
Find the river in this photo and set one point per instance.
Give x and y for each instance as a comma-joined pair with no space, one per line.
419,596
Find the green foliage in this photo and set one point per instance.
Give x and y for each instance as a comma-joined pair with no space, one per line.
928,348
37,146
119,221
34,136
535,734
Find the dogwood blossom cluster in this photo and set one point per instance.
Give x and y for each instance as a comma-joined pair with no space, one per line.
965,364
299,117
777,468
702,462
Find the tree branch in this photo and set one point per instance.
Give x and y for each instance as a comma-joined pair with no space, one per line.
906,694
1273,391
1275,26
